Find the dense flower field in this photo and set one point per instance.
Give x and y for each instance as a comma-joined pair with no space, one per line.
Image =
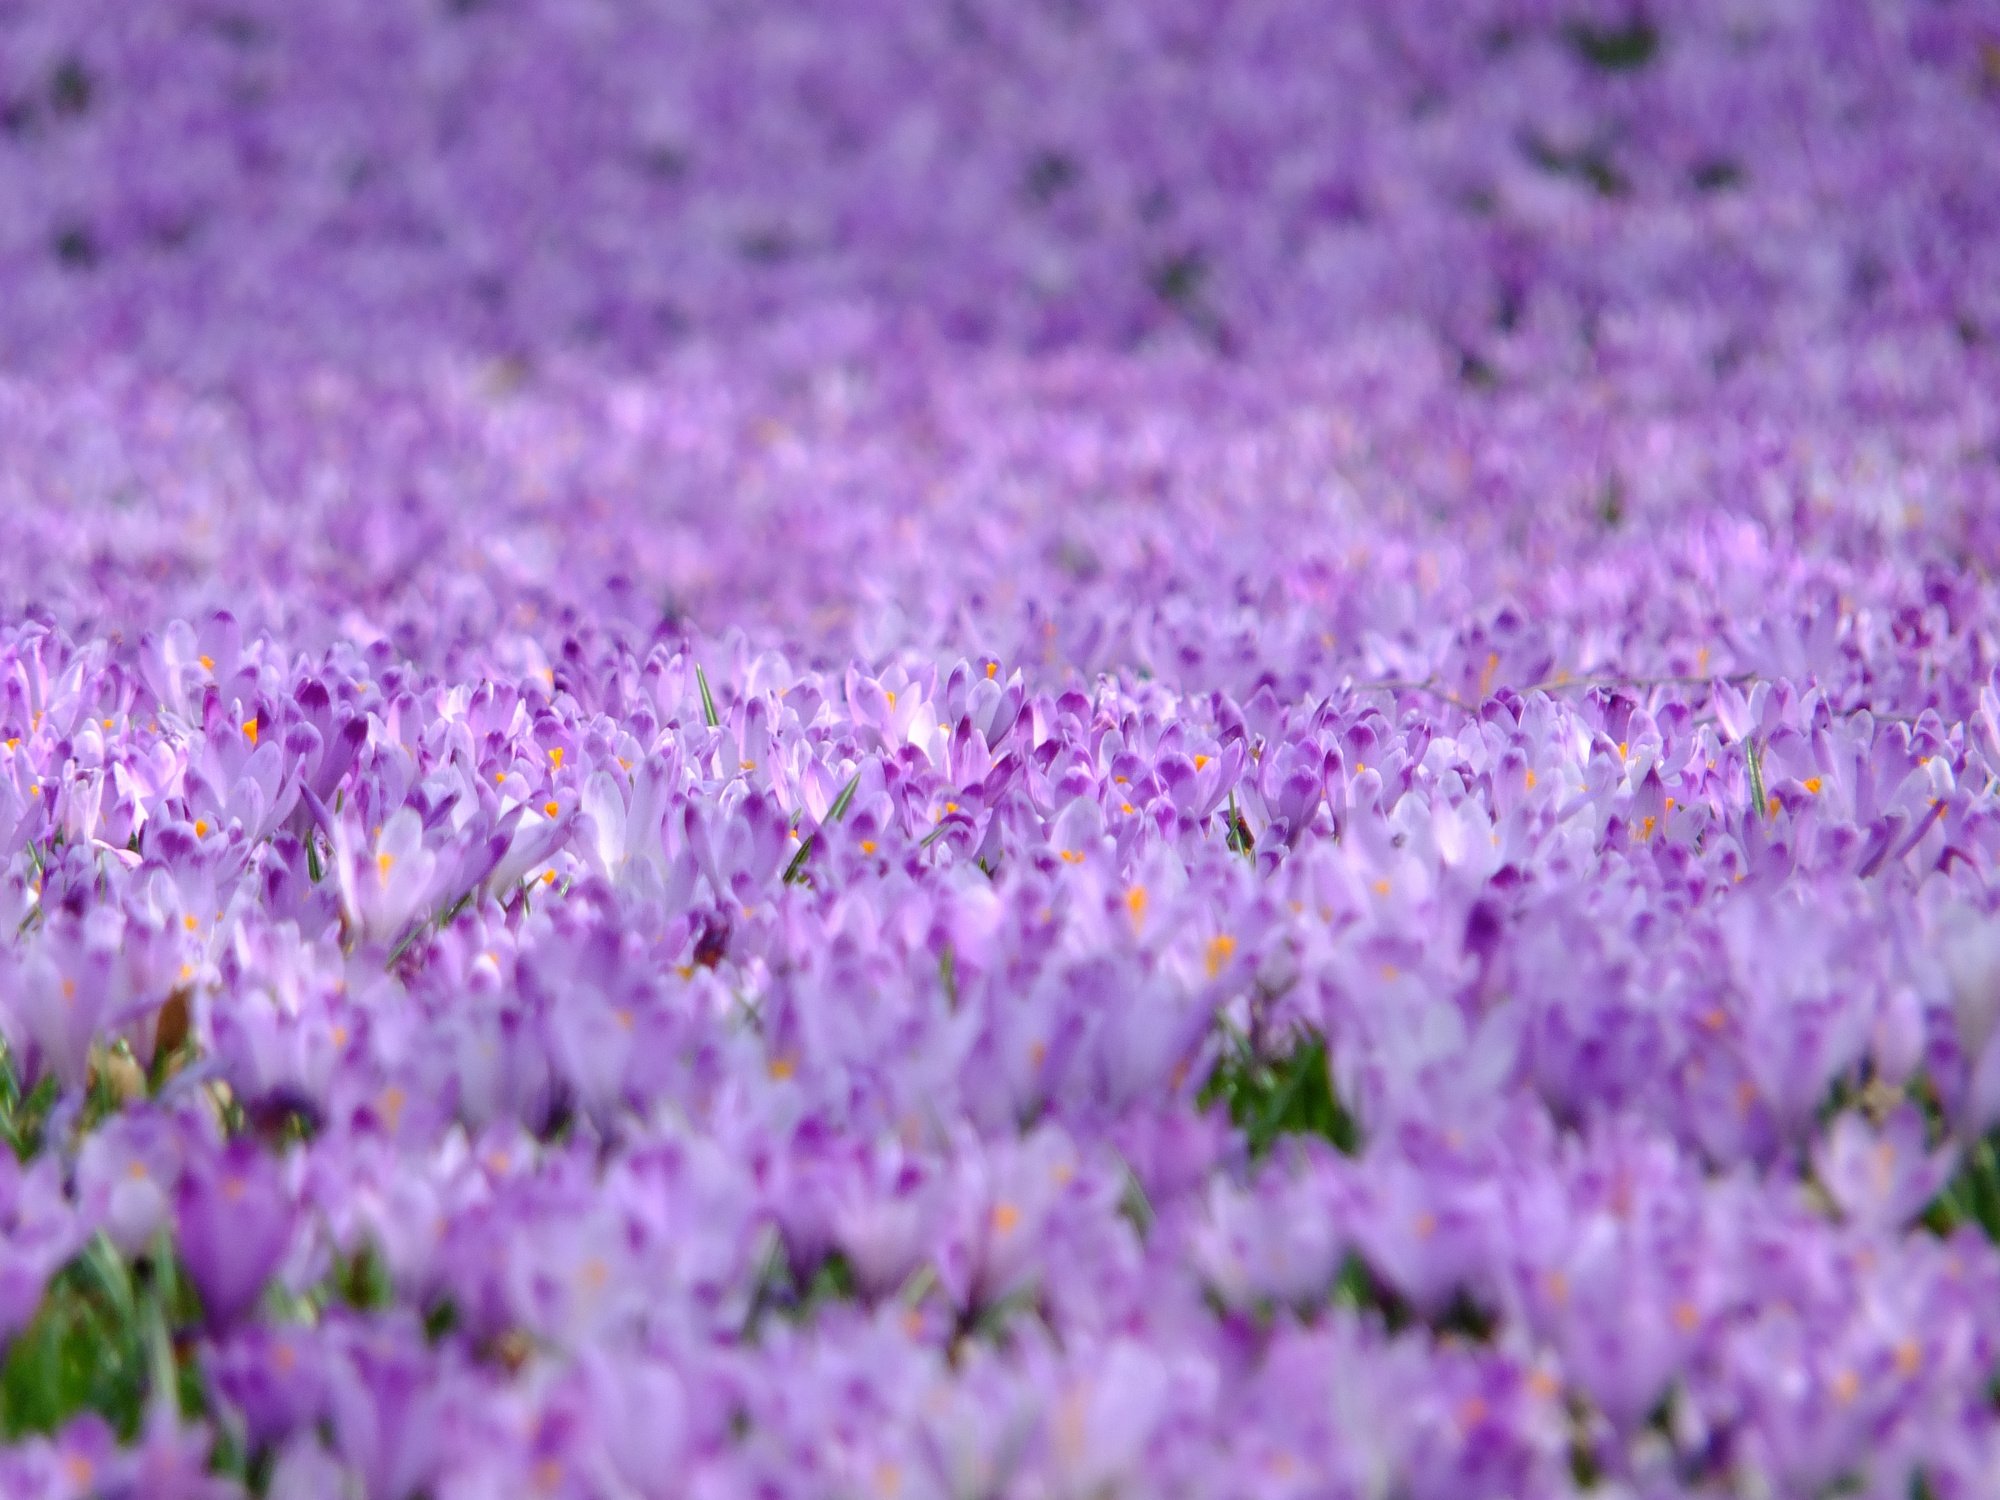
1014,748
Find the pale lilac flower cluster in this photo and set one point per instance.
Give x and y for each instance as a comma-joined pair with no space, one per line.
1050,750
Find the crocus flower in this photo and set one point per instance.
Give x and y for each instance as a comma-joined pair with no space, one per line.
233,1225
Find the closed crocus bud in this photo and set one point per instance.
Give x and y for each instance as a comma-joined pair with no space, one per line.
1971,955
233,1225
306,1471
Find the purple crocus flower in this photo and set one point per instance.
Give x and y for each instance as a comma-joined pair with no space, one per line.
233,1224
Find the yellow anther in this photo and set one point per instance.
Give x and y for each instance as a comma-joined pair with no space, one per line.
250,732
782,1068
992,667
1623,752
1772,805
1200,761
1005,1217
556,757
1072,856
548,877
1909,1357
1220,947
746,765
1531,778
201,828
1135,903
1646,827
499,778
384,863
868,846
552,807
1812,784
890,696
190,921
208,663
1126,808
392,1101
1382,887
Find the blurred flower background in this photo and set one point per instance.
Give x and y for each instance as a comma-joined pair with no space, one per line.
1186,747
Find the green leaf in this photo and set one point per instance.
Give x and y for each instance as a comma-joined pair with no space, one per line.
707,698
1288,1095
840,804
795,871
1756,764
1615,49
1972,1196
87,1349
948,974
23,1116
1240,839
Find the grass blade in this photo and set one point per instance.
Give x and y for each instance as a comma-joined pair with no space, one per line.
1756,764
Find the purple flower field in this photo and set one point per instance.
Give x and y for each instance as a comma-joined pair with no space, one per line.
1010,748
